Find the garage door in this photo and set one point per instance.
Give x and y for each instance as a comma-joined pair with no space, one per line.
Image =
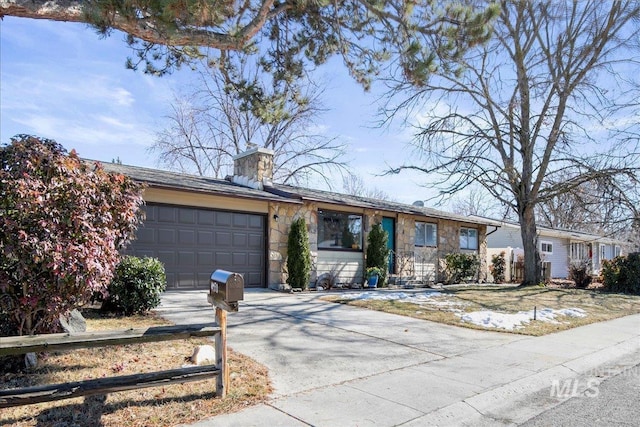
192,242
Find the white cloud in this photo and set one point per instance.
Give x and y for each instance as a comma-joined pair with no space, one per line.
72,133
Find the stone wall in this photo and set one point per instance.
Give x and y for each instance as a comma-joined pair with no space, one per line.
281,216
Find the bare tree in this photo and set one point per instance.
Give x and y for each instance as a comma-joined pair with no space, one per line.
233,105
596,207
475,201
187,143
354,185
541,110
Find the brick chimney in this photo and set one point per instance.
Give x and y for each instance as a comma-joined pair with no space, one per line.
254,167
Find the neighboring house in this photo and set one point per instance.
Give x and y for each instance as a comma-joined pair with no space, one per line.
558,249
195,225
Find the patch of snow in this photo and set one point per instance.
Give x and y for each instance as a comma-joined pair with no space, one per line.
435,299
511,321
488,319
393,296
573,312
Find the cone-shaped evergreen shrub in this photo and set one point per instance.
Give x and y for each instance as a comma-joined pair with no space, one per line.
299,255
377,251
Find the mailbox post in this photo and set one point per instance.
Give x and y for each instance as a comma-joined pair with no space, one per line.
225,290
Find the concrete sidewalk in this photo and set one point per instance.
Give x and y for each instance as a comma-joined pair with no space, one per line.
336,365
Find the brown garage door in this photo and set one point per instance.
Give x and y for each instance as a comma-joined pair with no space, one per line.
192,242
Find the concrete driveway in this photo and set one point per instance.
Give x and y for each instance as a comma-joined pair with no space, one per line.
333,364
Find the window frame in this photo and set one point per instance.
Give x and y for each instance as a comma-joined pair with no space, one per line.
477,238
548,243
348,215
426,242
580,249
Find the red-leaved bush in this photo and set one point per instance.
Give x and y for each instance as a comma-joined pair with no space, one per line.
62,223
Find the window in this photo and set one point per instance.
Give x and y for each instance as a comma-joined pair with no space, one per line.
339,230
578,251
603,252
616,251
546,247
468,238
426,234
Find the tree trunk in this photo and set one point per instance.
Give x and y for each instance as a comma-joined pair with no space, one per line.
529,233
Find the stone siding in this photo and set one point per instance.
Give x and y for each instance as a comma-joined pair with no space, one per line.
256,164
278,237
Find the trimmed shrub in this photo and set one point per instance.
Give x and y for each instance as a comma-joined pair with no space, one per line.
136,286
622,274
498,267
378,252
461,267
298,255
63,222
580,274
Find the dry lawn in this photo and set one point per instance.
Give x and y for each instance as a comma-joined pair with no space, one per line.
155,406
598,305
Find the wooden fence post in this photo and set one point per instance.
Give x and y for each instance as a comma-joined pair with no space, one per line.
222,381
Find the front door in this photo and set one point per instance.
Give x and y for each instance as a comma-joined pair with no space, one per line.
389,225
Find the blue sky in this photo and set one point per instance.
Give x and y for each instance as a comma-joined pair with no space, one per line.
62,81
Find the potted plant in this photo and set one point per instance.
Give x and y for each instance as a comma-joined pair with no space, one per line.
373,275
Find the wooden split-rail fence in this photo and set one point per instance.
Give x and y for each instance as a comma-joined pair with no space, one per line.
70,341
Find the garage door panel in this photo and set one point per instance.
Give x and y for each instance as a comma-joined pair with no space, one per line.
166,214
206,217
203,280
205,259
187,259
187,216
151,213
168,258
254,260
255,241
223,259
239,240
186,280
193,242
171,277
187,237
223,219
240,220
239,259
253,279
205,238
145,235
166,236
223,239
256,222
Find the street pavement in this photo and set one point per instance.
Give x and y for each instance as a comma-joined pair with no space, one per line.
613,402
337,365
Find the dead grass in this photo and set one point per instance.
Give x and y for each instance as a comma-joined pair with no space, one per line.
598,305
156,406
